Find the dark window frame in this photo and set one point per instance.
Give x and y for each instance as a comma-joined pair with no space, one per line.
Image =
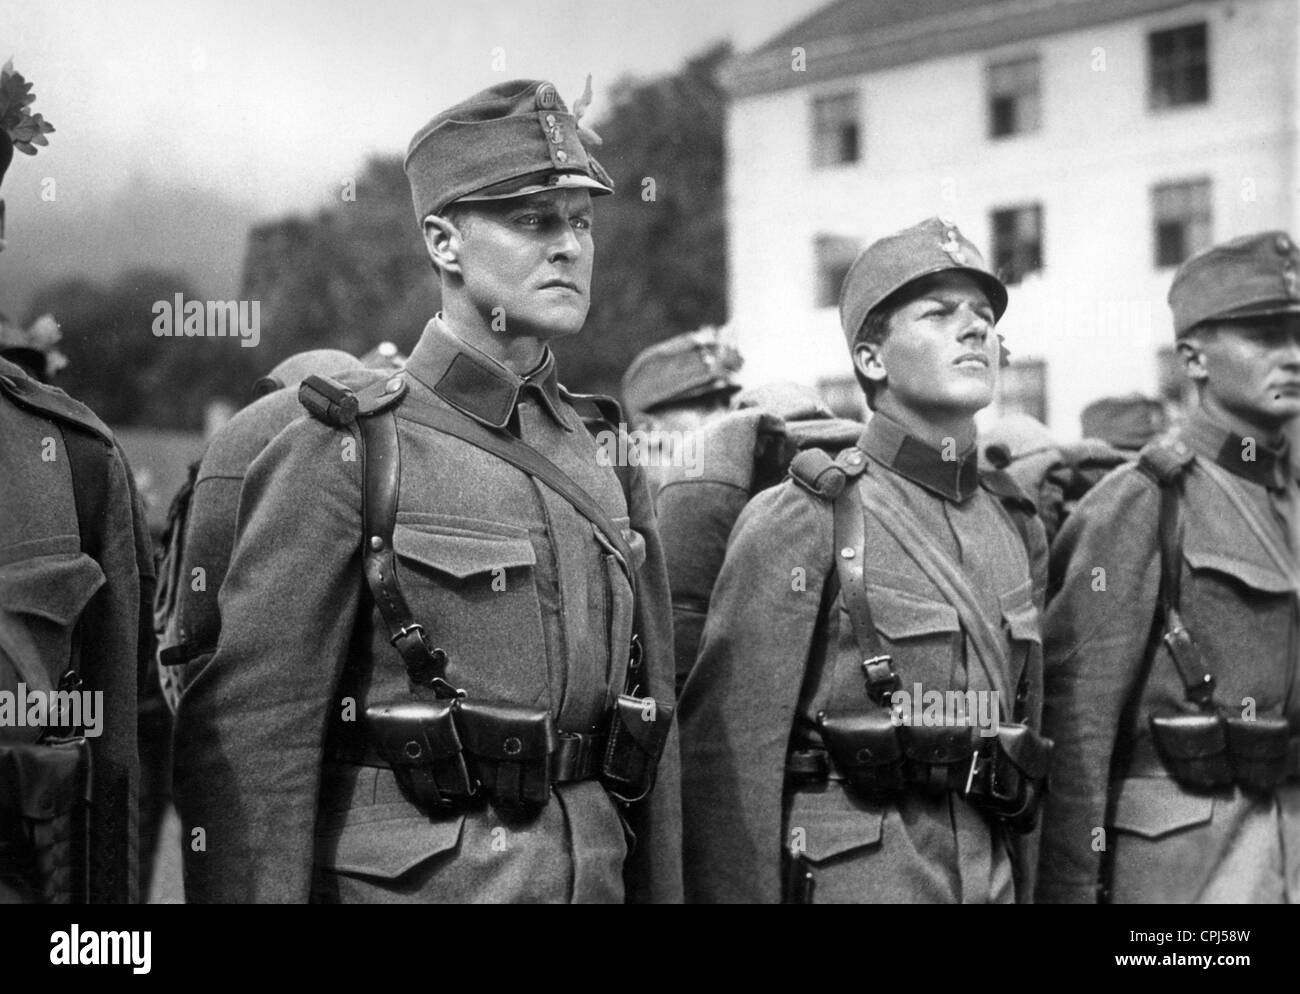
836,136
1166,227
1006,113
1020,262
1178,66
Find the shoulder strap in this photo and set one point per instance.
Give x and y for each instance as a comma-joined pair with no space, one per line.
1166,463
850,554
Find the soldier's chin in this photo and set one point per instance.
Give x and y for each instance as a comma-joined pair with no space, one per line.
559,322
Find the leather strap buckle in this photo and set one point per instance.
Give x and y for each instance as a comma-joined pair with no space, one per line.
881,679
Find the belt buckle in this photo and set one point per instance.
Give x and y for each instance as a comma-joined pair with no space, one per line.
975,767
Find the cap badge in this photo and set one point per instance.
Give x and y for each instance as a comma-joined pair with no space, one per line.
953,247
546,96
1289,281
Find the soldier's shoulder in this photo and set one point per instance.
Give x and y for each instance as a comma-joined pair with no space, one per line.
339,400
1165,460
823,476
49,402
1005,488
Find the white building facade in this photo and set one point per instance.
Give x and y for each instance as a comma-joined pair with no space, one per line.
1086,146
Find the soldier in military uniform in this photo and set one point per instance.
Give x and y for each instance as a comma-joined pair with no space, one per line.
896,564
76,577
1173,634
412,694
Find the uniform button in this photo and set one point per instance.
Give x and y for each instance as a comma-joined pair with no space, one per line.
1283,244
853,458
847,552
512,746
376,542
561,155
557,137
550,120
412,749
393,385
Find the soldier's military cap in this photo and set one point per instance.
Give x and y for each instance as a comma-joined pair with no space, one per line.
889,264
509,140
1251,276
682,369
1125,422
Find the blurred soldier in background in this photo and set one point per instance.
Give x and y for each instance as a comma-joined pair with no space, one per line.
734,457
33,348
1127,423
895,565
1174,630
674,388
426,686
76,577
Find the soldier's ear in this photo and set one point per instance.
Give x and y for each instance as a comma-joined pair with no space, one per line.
1192,352
869,362
443,241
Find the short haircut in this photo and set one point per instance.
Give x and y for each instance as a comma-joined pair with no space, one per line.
875,329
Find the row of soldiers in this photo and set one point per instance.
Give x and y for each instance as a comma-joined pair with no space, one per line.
442,641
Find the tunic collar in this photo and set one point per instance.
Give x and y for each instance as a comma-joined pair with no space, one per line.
888,443
1247,458
476,384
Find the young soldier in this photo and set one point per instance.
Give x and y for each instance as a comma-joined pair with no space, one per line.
1173,640
896,567
427,619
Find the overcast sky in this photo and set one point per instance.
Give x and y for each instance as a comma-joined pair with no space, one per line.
273,102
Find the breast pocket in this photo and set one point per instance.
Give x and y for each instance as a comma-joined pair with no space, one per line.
41,599
1240,612
473,586
917,627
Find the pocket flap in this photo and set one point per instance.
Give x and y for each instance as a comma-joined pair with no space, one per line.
830,833
387,849
900,614
1259,574
1155,806
1020,613
54,587
460,552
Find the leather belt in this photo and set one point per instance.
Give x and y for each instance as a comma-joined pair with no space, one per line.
817,766
577,756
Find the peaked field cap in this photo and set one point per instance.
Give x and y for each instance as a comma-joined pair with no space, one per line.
1251,276
890,263
509,140
680,370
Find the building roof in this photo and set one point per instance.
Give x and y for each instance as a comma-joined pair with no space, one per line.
850,37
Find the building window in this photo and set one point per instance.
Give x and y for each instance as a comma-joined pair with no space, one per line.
1023,389
835,255
1013,97
1179,66
1017,242
835,129
1182,220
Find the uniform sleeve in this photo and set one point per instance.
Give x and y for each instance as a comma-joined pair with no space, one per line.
738,703
1104,577
251,726
116,641
654,871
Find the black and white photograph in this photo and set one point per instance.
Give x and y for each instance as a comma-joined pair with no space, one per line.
615,452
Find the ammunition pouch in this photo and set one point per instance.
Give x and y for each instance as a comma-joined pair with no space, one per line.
511,750
1259,750
1207,751
44,808
638,732
1003,776
866,748
421,743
